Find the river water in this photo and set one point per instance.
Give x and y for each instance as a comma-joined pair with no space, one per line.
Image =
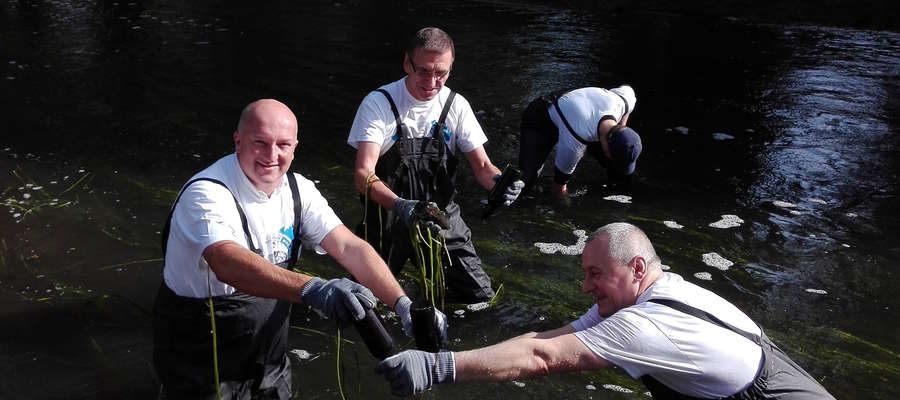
783,121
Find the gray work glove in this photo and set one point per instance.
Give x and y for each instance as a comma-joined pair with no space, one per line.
402,309
415,371
512,191
338,298
406,209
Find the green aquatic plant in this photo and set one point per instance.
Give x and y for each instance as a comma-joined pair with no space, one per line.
428,250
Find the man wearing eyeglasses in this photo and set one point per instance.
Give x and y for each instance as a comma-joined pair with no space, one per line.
409,136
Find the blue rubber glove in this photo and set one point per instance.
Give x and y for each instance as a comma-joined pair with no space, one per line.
402,309
415,371
512,192
338,298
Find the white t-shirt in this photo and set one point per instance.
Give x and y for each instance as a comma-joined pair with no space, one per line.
375,122
206,214
583,109
683,352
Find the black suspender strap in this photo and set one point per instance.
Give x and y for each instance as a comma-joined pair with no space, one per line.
706,317
626,106
295,194
393,106
569,127
438,130
165,232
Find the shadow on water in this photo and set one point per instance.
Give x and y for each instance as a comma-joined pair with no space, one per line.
783,116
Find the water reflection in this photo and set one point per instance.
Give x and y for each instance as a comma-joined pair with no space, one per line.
142,95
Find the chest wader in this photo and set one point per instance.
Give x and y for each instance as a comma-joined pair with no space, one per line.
424,169
251,334
778,376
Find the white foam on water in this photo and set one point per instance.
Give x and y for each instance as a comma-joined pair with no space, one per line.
301,354
717,261
665,267
727,221
681,129
851,215
783,204
816,291
619,198
569,250
703,276
477,306
722,136
519,384
815,200
796,212
617,388
459,312
673,224
845,245
590,387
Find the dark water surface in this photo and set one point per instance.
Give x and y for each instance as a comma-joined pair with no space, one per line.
108,107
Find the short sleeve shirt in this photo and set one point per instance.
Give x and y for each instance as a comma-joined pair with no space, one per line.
375,122
583,109
206,214
686,353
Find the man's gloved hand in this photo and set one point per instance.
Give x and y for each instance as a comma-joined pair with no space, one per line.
407,209
338,298
402,309
414,371
512,191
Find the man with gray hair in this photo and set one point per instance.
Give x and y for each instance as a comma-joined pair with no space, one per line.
410,135
681,340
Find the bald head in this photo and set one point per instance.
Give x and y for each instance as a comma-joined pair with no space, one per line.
264,142
267,114
625,242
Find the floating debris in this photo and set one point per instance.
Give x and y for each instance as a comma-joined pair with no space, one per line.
590,387
722,136
573,250
727,221
851,215
717,261
796,212
816,291
783,204
703,276
519,384
617,388
815,200
619,198
680,129
673,224
459,312
477,306
301,354
845,245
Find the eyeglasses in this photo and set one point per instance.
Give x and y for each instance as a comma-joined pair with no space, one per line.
422,73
